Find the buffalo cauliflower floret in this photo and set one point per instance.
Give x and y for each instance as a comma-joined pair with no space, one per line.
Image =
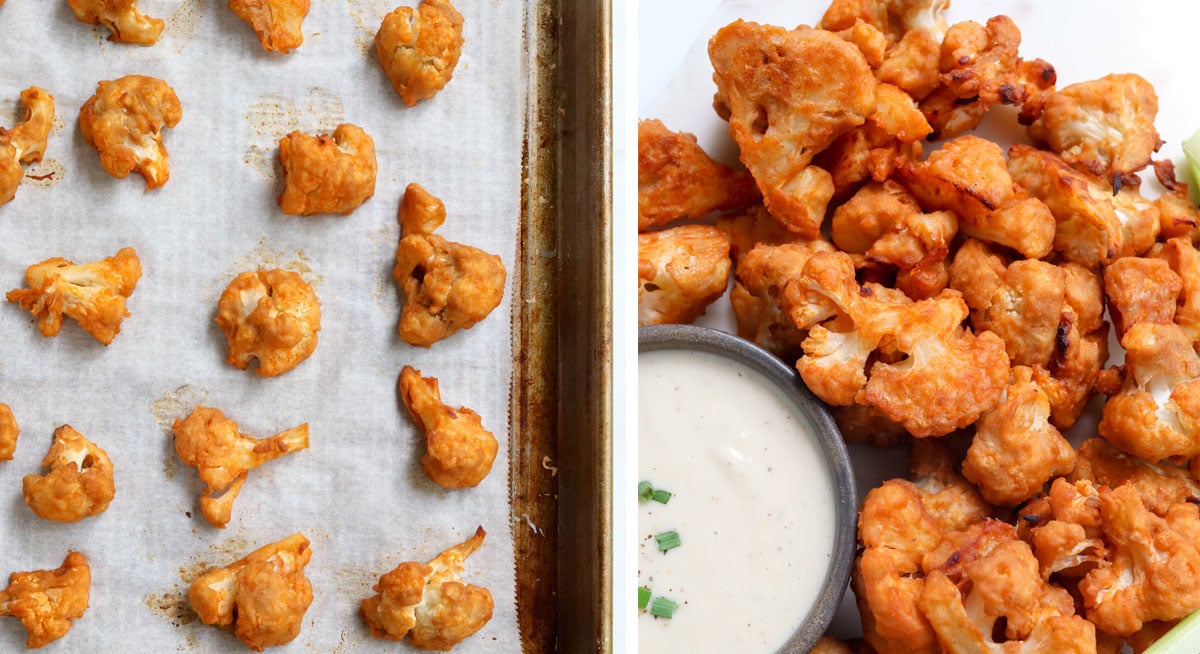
447,286
1140,290
46,601
1183,260
264,595
92,294
277,23
459,452
124,122
122,17
269,315
758,294
681,270
212,444
751,227
25,143
676,179
788,94
1160,485
418,49
79,484
428,602
327,173
1105,126
8,433
1063,527
1016,450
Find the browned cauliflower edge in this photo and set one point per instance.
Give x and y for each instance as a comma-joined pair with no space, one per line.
79,484
124,122
276,23
122,17
419,49
459,451
25,143
46,601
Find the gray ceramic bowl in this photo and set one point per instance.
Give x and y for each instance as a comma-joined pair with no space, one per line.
688,337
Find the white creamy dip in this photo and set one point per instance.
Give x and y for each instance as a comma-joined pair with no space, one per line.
754,505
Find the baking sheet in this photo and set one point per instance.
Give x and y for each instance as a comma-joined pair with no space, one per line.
358,492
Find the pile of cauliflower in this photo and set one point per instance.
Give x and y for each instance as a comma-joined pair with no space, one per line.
951,297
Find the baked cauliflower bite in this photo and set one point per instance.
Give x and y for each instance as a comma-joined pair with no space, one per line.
122,17
8,433
327,173
1160,485
681,270
447,286
1184,260
277,23
46,601
1141,290
211,443
92,294
124,122
264,595
25,143
269,315
79,484
676,179
418,49
751,227
428,602
758,295
459,451
788,94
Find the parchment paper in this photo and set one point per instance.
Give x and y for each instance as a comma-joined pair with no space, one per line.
358,492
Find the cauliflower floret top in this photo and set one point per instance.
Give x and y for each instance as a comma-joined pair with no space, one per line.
1159,485
272,316
8,433
122,17
327,173
46,601
681,270
25,143
428,603
124,121
758,294
418,49
93,294
447,286
459,451
277,23
264,595
79,484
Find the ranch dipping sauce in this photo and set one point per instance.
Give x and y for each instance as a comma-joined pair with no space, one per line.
753,503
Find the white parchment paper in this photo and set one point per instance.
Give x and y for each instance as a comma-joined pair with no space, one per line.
358,492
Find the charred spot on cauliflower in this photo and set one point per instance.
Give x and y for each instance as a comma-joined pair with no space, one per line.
327,173
124,122
269,315
79,484
277,23
122,17
419,49
459,451
46,601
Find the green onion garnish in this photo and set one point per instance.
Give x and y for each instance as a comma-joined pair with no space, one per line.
643,597
645,491
1191,150
661,496
663,608
668,540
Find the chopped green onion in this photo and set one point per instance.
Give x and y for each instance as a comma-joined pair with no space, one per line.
645,491
1191,150
643,597
668,540
661,496
663,608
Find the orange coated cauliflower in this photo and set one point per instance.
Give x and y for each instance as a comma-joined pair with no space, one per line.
264,595
447,286
212,444
428,602
1141,290
8,433
676,179
46,601
1184,260
681,270
751,227
788,94
277,23
122,17
758,294
269,315
327,173
93,294
25,143
459,451
124,122
418,49
1159,485
79,484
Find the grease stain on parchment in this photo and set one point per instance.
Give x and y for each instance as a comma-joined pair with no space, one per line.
383,249
368,16
183,22
273,116
173,406
263,257
44,173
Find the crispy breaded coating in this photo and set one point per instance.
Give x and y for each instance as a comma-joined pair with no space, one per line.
428,602
912,63
447,286
681,270
1159,485
1140,290
1071,377
418,49
327,173
9,431
788,94
122,17
79,484
269,315
264,595
277,23
211,443
92,294
124,122
25,143
757,296
676,179
459,452
46,601
1177,215
1104,127
751,227
1184,260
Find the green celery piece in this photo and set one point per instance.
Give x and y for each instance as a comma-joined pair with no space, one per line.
1191,150
1183,638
